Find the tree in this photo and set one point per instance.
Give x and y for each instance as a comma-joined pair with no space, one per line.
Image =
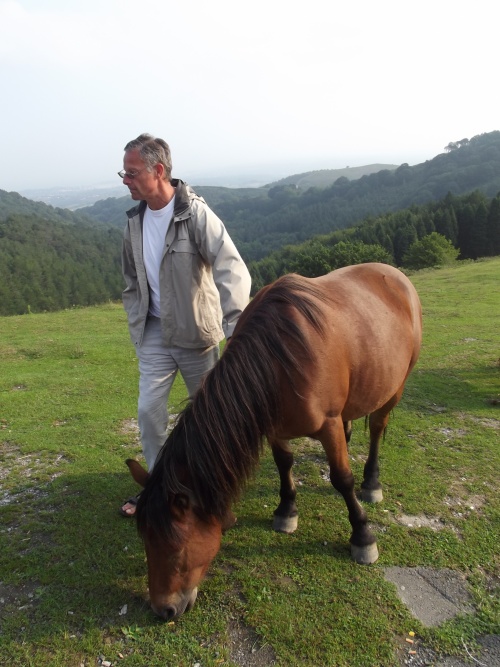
446,224
493,226
432,251
346,253
479,238
312,260
405,235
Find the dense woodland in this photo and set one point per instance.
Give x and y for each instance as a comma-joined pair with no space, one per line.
466,227
49,265
426,215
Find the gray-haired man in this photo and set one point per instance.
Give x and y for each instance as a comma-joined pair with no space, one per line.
186,285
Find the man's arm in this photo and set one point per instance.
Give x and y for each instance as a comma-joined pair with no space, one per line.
229,271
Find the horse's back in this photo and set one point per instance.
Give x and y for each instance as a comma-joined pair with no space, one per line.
376,294
371,338
380,280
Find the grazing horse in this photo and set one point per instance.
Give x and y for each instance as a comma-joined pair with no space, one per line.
306,358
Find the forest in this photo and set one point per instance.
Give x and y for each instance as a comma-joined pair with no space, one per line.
47,264
425,215
425,236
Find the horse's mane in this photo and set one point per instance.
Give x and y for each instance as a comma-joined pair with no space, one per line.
216,443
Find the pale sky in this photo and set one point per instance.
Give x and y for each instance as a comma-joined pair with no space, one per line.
237,86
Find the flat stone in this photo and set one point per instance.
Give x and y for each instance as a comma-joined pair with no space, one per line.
432,596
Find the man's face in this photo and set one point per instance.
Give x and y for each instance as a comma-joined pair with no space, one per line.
143,184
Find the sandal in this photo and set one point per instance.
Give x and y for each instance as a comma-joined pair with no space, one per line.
131,512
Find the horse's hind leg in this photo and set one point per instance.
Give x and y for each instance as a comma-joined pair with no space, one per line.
347,431
285,515
371,489
333,438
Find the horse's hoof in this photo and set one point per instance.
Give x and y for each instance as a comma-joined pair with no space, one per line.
372,495
365,555
285,524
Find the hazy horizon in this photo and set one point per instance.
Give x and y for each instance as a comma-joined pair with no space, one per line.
243,178
277,88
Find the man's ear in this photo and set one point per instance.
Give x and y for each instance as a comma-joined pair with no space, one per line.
160,170
137,471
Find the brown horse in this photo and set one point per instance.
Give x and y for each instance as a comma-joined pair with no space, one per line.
306,358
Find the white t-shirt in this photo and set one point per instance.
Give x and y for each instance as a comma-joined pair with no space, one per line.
155,226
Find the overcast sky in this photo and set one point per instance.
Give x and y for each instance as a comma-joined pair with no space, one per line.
262,86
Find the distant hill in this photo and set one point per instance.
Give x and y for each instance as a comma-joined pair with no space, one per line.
287,214
73,198
322,178
112,210
13,203
262,220
76,198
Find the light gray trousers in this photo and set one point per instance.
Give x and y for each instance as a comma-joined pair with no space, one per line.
158,366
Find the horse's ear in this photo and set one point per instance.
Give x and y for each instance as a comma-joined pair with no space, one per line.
179,505
137,471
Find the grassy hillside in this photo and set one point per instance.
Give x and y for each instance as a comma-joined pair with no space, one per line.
72,571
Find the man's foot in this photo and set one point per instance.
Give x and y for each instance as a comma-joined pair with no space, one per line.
128,508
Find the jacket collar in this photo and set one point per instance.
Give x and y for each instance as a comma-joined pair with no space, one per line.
181,201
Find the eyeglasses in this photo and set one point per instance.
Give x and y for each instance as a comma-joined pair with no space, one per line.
130,174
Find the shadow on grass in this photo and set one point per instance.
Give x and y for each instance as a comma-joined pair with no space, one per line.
454,387
68,561
81,562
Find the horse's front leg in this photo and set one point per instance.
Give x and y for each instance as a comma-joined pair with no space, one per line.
333,438
285,515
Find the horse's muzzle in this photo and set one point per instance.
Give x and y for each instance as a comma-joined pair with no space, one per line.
169,611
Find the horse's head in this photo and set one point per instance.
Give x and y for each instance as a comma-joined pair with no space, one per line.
177,560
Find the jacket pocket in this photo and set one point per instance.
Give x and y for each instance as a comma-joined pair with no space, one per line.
184,245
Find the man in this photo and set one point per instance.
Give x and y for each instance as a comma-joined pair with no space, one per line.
186,286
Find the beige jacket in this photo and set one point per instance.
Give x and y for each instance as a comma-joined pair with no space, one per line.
204,283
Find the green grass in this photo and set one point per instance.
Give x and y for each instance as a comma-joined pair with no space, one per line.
69,564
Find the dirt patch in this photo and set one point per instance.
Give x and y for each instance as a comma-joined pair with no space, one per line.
488,423
487,654
245,649
22,470
131,427
17,598
451,433
462,508
12,461
420,521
